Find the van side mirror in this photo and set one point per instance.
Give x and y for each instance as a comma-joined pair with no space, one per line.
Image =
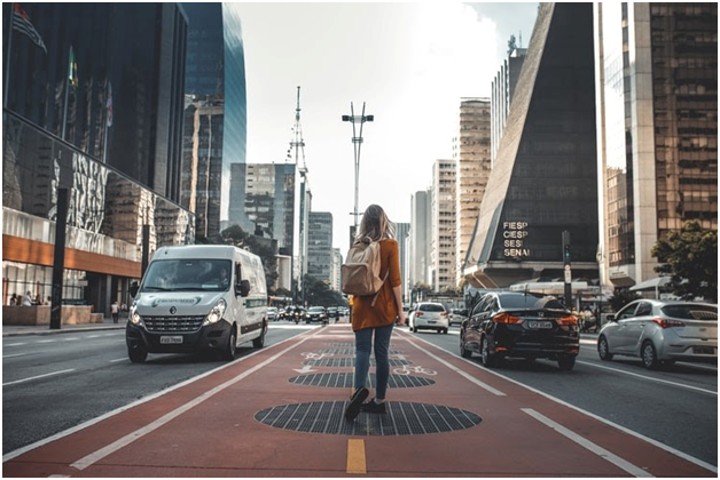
134,287
243,289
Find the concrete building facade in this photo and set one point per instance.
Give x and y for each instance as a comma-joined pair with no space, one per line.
443,226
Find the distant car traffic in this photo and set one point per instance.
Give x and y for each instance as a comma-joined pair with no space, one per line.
272,313
316,314
520,324
457,315
428,316
661,332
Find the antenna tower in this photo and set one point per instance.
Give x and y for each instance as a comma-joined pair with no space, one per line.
298,143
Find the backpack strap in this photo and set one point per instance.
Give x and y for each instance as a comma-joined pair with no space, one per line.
381,285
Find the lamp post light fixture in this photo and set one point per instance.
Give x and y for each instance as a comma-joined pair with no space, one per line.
357,140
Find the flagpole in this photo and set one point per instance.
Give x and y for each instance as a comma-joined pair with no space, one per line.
65,102
7,63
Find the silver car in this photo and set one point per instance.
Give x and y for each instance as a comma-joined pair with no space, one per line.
430,316
661,332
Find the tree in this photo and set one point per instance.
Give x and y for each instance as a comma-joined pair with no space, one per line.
261,247
622,297
512,44
318,292
690,257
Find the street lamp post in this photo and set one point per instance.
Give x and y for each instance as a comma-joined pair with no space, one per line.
357,140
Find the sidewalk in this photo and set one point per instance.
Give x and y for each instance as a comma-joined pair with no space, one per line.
107,324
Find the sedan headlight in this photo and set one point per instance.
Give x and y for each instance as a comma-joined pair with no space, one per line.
216,313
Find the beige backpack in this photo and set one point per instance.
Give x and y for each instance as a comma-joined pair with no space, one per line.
361,270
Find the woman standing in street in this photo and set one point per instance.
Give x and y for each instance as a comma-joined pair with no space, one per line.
373,323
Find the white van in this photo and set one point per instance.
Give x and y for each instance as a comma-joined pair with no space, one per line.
198,297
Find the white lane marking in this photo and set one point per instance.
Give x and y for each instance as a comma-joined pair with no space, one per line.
16,355
587,444
14,344
97,455
70,339
118,360
93,336
584,341
655,443
23,380
648,378
463,374
47,341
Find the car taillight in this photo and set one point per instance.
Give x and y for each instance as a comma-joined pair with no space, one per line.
569,320
443,314
665,323
419,314
506,318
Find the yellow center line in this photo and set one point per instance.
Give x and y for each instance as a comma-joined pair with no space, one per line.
356,456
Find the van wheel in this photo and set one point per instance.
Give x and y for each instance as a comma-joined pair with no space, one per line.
260,341
230,349
137,354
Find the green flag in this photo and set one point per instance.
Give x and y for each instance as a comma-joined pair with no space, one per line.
72,70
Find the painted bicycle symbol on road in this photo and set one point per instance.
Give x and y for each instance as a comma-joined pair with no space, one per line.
407,370
315,356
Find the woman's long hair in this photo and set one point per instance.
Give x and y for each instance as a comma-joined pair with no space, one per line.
375,225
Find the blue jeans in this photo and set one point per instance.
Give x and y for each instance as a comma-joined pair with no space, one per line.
363,343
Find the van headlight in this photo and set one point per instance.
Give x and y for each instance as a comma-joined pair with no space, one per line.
135,317
216,313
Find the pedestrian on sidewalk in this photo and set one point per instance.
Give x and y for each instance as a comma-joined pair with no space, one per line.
115,310
372,320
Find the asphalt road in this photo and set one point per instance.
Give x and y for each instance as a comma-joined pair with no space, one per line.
676,406
54,382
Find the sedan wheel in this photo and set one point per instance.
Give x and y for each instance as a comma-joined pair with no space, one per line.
488,359
604,349
649,356
566,362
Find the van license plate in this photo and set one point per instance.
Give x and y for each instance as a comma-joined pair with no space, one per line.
171,340
534,324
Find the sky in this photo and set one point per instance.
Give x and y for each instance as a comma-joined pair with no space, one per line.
410,63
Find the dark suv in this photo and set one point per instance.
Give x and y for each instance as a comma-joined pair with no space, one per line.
520,324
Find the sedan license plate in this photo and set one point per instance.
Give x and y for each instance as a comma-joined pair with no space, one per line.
171,339
704,350
539,324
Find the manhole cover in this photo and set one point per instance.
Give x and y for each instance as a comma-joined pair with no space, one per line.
345,380
349,351
347,362
402,418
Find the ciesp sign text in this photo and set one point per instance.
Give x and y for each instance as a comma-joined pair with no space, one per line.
514,236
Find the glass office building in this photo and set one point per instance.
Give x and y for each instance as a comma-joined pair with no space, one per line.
95,109
657,128
216,70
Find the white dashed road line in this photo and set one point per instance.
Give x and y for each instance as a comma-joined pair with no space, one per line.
23,380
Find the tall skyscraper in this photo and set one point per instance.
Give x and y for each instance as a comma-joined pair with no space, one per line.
442,243
473,165
402,232
544,178
320,251
656,64
420,234
216,72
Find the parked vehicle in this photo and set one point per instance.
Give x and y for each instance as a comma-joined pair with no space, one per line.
520,324
661,332
272,314
429,316
457,315
198,297
316,314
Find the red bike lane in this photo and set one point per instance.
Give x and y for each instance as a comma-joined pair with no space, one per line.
278,413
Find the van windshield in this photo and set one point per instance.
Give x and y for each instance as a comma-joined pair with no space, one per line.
186,274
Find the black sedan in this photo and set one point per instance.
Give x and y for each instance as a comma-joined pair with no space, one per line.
316,314
520,324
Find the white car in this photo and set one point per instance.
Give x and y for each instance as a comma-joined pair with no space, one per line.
429,316
661,332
